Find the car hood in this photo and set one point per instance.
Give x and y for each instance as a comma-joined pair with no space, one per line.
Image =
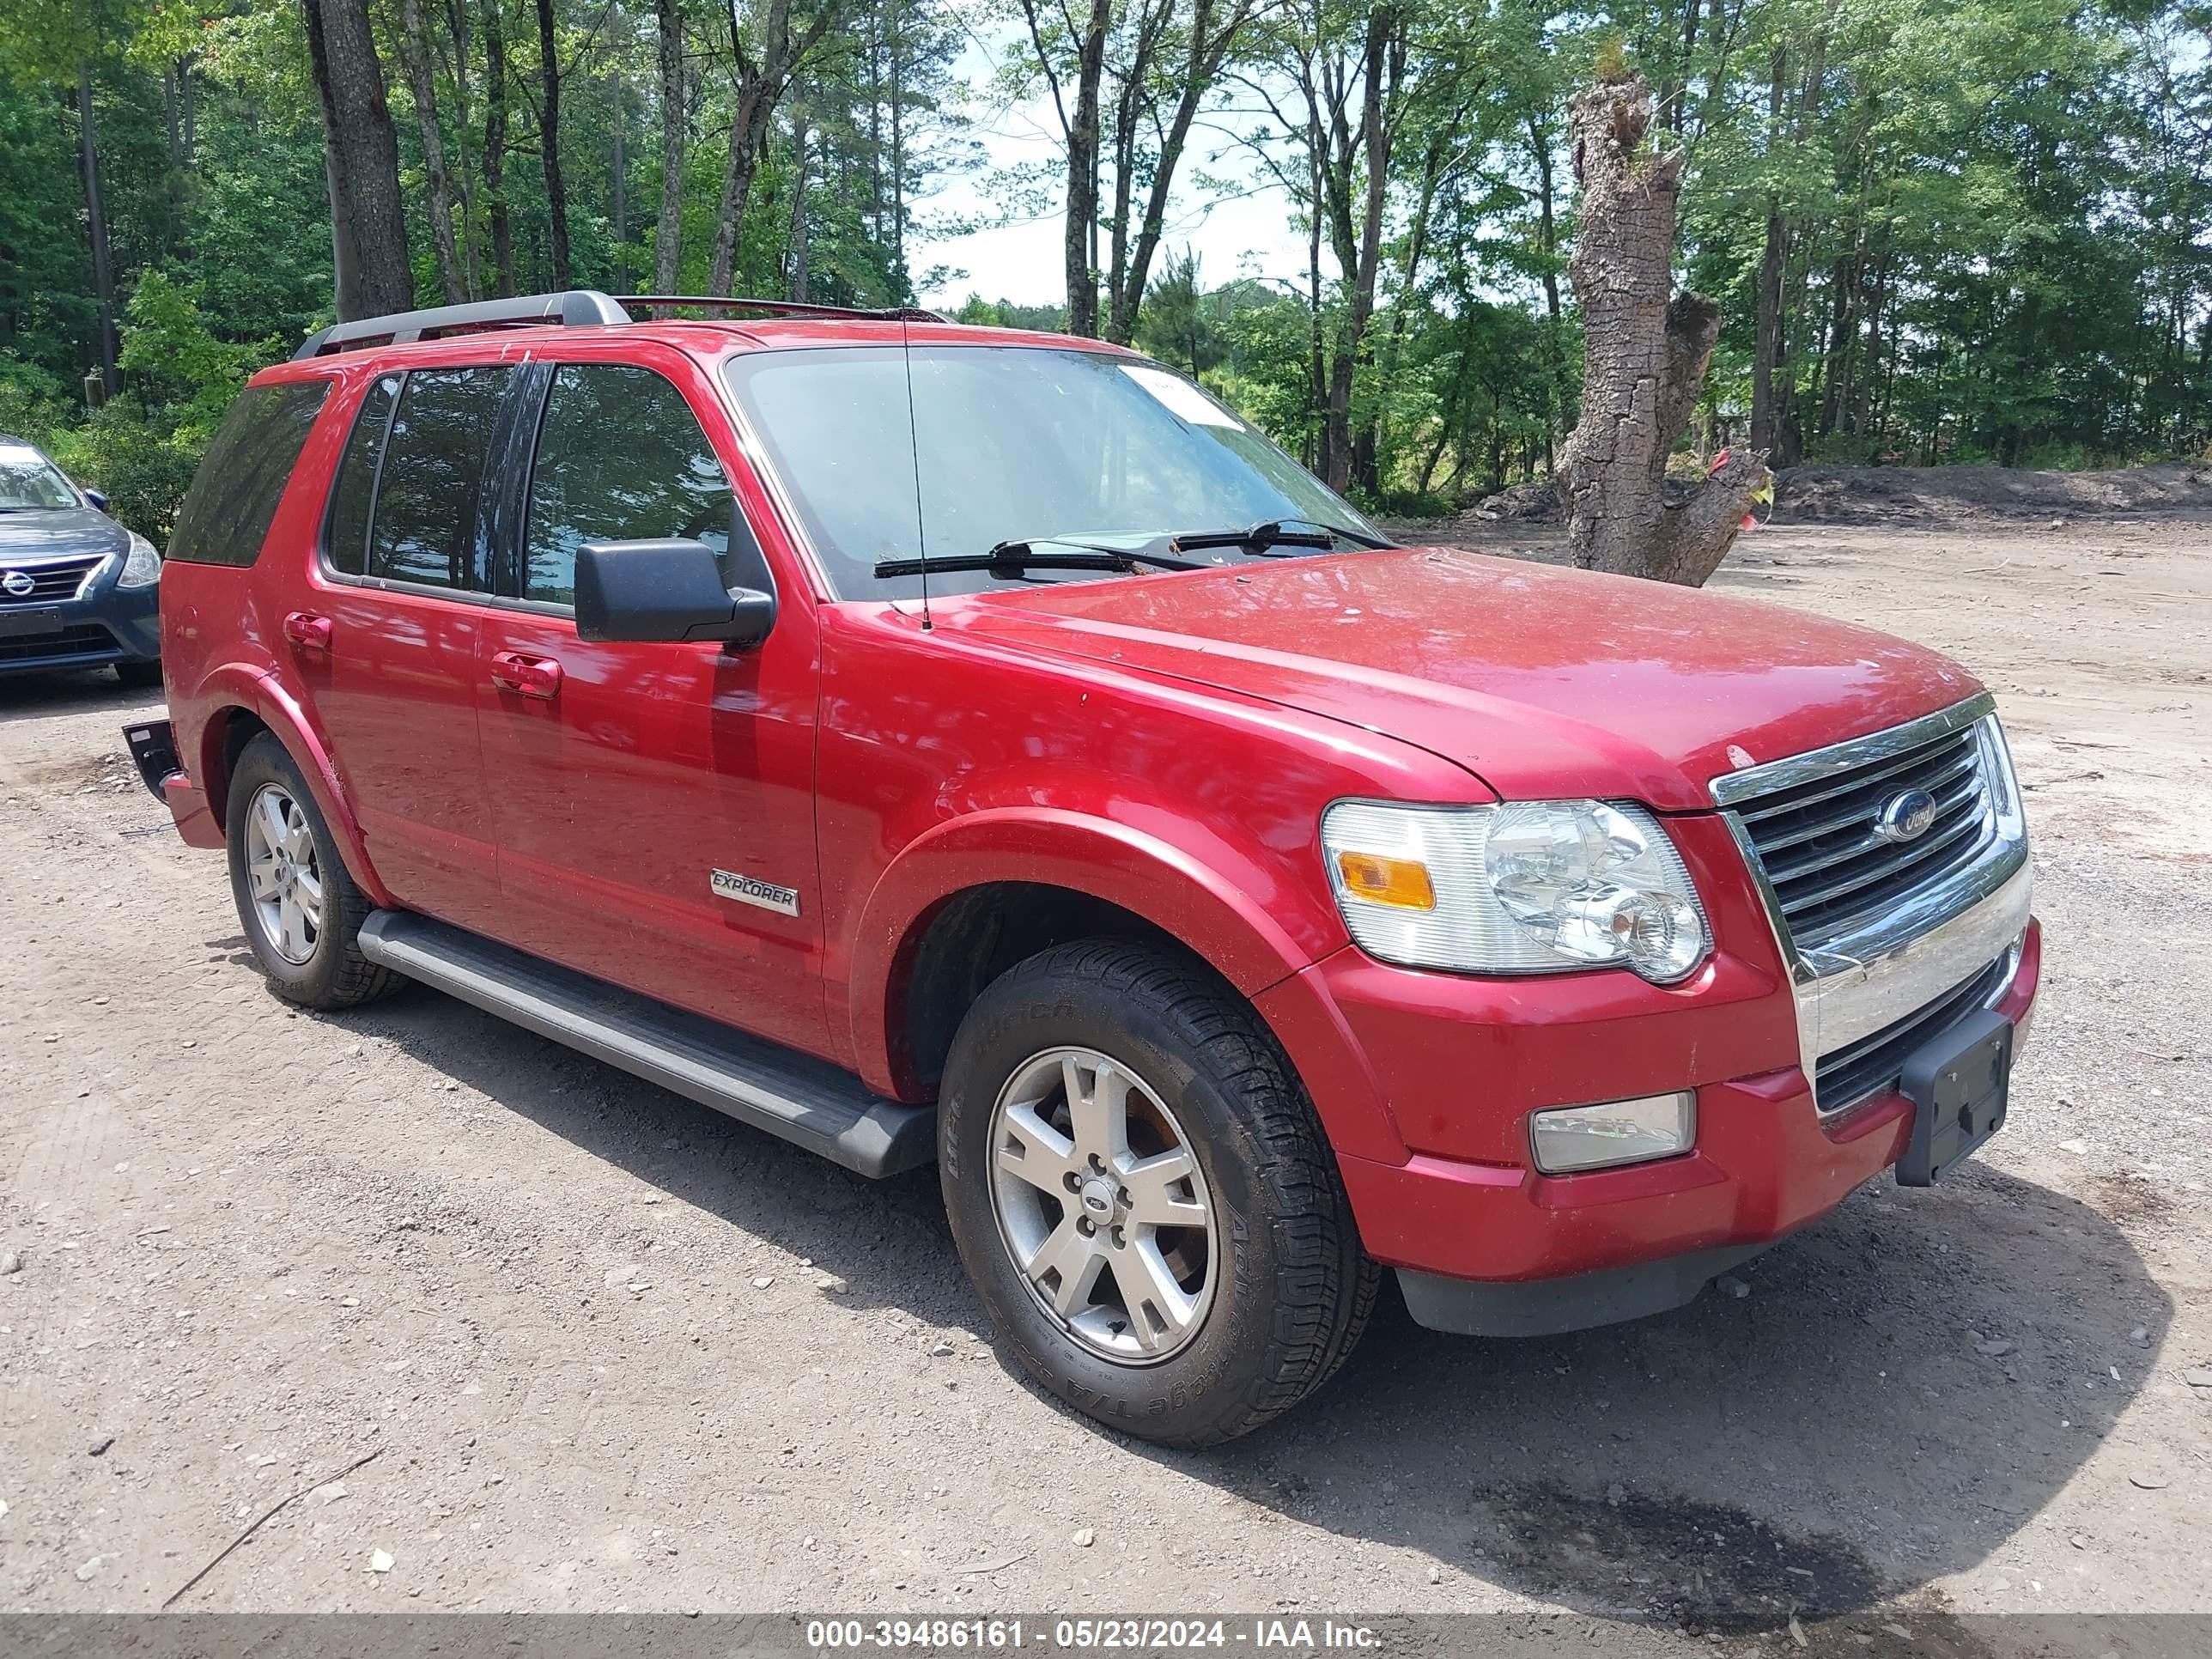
51,532
1544,682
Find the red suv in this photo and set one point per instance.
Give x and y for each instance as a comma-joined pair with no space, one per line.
922,741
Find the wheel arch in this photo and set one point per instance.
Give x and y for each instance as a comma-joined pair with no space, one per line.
976,894
242,705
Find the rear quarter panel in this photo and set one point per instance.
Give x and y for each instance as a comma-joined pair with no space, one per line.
222,641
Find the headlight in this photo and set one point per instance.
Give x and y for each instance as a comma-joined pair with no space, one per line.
141,565
1529,887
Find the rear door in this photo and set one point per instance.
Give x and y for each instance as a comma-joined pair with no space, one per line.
625,776
403,591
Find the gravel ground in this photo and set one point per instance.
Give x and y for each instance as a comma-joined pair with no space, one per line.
612,1351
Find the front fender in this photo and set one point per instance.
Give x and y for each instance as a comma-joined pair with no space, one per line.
240,686
1228,907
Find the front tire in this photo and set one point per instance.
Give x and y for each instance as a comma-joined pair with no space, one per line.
140,675
1140,1192
299,907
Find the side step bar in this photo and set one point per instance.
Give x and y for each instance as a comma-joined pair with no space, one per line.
808,1101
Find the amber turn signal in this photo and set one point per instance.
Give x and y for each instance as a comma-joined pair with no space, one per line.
1380,880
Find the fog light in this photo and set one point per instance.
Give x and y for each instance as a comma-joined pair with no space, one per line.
1571,1137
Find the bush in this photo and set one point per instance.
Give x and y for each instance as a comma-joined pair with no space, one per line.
141,463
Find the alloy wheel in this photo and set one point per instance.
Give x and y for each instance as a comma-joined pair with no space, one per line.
1102,1205
283,876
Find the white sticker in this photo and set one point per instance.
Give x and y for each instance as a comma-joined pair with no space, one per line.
1179,397
20,455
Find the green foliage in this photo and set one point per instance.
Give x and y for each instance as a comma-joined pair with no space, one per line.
1993,217
142,459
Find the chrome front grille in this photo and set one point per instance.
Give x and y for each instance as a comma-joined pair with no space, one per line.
51,581
1819,842
1860,1070
1886,941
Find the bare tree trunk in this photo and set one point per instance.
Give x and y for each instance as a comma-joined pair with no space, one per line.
1383,62
1645,359
494,150
414,57
548,143
798,239
103,266
364,151
457,29
617,94
1082,227
1209,46
668,233
760,84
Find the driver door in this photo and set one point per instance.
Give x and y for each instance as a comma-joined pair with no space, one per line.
623,776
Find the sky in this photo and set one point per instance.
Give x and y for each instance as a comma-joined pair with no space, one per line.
1251,233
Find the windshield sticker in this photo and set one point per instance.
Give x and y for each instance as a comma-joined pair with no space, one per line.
21,455
1181,398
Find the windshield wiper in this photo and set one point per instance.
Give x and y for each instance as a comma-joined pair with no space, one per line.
1011,558
1279,532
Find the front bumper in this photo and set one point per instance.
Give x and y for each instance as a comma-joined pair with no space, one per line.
103,623
1503,1251
1451,1066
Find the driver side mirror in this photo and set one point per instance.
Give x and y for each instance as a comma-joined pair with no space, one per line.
672,589
97,497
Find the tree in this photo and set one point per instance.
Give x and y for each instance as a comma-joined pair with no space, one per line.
548,143
761,72
1645,358
368,231
1078,129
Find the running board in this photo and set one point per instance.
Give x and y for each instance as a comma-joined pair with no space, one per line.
808,1101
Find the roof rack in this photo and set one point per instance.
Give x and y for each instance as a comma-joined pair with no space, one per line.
581,308
787,308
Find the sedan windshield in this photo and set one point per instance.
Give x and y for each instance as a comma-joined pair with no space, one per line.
29,483
1011,444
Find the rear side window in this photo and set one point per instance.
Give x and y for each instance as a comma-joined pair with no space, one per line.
423,527
227,512
620,457
356,492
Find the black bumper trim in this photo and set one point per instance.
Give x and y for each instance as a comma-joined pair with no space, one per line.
1547,1307
154,751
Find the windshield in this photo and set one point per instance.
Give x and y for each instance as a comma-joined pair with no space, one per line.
29,483
1013,443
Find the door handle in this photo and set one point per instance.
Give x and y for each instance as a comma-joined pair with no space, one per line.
524,675
307,630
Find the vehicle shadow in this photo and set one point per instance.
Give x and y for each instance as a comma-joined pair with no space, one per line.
1888,1398
37,697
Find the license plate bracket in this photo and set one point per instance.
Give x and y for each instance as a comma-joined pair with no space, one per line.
18,623
1958,1083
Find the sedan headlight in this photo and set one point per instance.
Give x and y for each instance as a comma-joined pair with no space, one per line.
142,565
1528,887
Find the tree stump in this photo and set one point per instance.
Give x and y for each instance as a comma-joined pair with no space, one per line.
1644,358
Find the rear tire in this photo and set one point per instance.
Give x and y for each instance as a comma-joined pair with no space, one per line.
1198,1270
300,909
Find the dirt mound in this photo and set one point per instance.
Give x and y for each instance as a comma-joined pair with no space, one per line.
1903,494
1889,494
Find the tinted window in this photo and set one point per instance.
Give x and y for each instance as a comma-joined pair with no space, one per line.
1013,444
620,457
425,529
357,485
234,495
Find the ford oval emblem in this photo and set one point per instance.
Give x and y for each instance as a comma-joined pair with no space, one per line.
1906,817
17,582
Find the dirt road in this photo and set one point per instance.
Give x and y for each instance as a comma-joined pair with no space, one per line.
615,1352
